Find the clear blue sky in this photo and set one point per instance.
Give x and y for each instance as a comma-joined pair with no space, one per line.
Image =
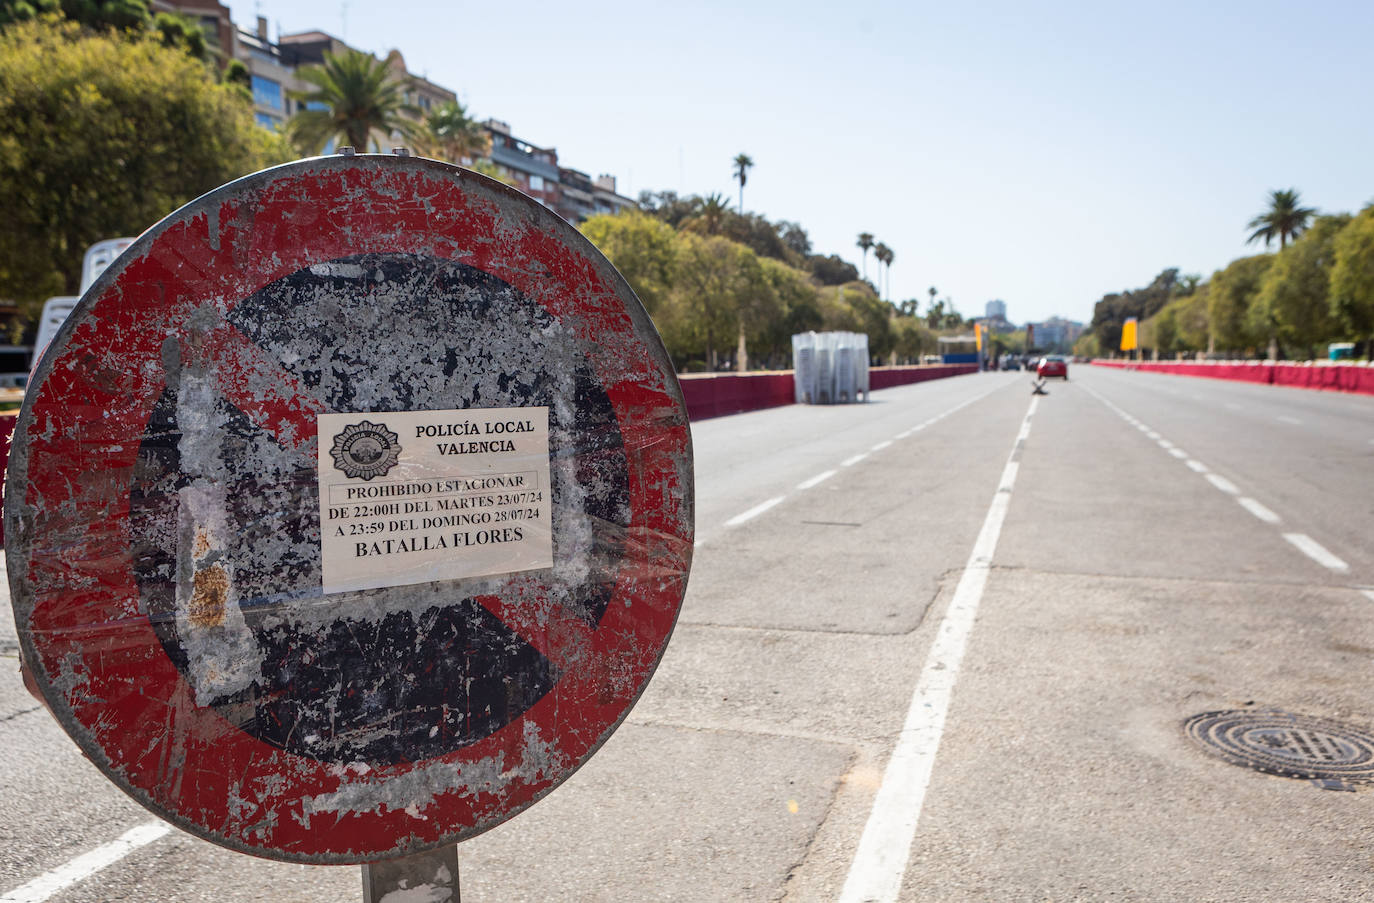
1043,154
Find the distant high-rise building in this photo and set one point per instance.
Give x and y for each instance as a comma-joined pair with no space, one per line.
996,309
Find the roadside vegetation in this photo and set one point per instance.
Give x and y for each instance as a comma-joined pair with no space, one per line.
1317,289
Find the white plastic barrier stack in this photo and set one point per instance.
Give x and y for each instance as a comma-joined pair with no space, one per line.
830,367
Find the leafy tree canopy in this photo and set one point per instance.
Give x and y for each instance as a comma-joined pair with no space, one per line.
1115,308
1352,278
1291,306
105,133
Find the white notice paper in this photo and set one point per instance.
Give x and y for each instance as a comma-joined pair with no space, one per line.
416,496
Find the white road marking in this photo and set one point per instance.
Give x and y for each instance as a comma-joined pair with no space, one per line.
1165,444
818,478
875,876
1316,551
1293,420
904,433
1258,510
1178,453
854,459
881,445
1152,434
1223,484
84,866
754,511
1369,593
1197,466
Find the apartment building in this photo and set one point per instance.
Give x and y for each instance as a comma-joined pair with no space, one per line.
533,169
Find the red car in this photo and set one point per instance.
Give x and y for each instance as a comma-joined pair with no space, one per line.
1053,365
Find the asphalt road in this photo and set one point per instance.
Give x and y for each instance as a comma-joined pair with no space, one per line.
1016,599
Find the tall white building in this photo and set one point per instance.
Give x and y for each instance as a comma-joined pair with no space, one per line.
996,309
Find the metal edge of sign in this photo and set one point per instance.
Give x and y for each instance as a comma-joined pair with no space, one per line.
18,467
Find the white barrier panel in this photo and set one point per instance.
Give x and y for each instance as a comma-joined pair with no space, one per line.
830,367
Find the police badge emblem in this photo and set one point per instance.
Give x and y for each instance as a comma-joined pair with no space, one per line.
366,450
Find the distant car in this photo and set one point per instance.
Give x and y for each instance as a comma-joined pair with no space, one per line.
1010,363
1052,365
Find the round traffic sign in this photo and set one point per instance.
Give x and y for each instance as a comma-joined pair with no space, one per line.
350,511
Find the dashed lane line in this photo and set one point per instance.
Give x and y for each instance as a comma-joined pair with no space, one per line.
1301,541
849,462
84,866
1223,484
1258,510
754,511
817,479
1317,552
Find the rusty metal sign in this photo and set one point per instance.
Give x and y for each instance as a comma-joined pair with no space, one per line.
350,511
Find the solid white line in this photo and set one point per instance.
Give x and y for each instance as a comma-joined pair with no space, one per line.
1197,467
1316,551
881,445
1223,484
851,461
754,511
1258,510
904,433
880,862
1178,452
86,865
818,478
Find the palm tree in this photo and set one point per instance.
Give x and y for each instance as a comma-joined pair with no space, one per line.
932,291
456,135
354,97
743,163
1284,218
710,217
865,242
884,256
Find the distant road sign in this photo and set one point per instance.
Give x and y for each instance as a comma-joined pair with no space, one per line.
350,511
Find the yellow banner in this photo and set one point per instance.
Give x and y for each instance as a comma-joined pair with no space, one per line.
978,336
1128,335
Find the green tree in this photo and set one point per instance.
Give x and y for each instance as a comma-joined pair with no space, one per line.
1284,219
864,243
644,250
743,163
711,215
1352,279
1232,292
124,15
1293,307
105,134
356,98
455,135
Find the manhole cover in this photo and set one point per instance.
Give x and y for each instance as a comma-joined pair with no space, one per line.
1281,743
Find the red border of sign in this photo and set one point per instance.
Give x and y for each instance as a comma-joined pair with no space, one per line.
125,702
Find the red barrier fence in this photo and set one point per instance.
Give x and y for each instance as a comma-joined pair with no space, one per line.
717,394
1357,378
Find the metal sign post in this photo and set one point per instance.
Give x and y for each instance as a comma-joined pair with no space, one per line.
350,511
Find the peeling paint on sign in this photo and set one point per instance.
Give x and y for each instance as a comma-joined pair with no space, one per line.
164,510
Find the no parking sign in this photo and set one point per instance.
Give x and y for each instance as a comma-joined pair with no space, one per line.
350,511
